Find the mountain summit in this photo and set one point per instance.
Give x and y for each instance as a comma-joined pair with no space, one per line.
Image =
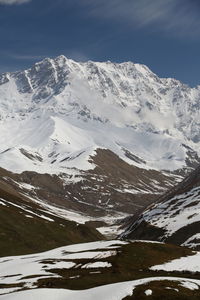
114,130
64,107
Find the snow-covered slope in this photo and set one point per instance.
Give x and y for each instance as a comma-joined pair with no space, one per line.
108,270
38,266
176,218
60,111
60,117
116,291
189,263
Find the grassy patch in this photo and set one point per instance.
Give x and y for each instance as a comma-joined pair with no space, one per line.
24,235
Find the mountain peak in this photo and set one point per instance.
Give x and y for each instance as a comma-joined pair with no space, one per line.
126,99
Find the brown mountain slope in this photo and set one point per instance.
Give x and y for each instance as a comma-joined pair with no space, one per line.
26,228
113,186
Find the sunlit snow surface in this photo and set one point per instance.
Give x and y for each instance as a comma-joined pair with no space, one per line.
55,115
26,270
13,269
190,263
69,143
115,291
176,213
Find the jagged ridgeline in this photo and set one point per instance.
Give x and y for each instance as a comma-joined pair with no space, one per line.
95,137
82,141
82,146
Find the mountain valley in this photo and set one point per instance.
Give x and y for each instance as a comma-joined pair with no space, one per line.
99,183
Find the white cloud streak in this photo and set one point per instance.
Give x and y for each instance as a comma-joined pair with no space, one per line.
177,17
21,56
12,2
26,57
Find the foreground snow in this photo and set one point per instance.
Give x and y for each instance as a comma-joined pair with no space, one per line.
19,273
189,263
36,266
115,291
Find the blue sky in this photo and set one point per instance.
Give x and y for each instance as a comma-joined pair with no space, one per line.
163,34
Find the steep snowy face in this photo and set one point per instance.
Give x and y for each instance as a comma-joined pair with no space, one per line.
101,90
176,213
61,107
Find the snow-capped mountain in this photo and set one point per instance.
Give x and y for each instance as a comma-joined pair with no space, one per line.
84,145
175,219
62,108
74,120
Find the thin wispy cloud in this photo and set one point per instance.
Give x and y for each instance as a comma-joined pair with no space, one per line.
26,57
22,56
12,2
177,17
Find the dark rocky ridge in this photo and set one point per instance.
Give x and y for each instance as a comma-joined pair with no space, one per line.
142,227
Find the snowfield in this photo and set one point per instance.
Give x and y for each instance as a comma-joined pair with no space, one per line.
115,291
15,268
189,263
20,276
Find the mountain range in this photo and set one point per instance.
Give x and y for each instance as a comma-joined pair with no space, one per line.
99,138
89,152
